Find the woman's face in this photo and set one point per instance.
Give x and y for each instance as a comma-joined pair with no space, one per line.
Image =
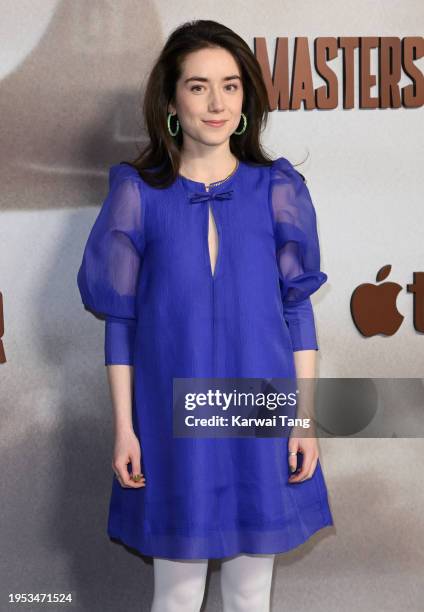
210,88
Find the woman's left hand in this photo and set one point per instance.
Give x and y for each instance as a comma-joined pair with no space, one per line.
309,449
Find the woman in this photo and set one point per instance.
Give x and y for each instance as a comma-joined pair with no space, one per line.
202,261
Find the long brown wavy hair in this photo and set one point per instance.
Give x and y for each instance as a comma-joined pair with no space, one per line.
158,161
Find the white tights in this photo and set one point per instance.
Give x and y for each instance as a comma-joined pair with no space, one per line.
245,583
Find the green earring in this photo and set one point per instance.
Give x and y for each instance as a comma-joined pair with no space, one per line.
169,126
244,125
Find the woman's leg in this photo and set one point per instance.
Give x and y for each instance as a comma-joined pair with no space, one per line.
179,585
246,583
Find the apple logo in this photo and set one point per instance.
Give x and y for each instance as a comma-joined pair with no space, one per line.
373,307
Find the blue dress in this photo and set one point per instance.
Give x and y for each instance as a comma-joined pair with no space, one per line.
146,269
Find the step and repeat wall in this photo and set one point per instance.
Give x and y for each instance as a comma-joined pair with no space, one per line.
346,93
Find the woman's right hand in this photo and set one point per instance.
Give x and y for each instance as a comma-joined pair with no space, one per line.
126,450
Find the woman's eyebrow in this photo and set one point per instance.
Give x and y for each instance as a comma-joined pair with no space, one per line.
205,80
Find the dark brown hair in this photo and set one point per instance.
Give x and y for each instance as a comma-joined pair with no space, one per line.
159,161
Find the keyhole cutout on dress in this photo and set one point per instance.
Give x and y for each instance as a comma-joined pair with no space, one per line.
212,241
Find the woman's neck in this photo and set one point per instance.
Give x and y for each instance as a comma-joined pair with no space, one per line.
207,172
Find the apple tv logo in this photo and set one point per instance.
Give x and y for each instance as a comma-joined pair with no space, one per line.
373,307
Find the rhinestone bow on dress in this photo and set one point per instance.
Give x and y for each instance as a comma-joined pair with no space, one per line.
204,197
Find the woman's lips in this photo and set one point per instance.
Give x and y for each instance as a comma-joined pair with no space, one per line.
214,123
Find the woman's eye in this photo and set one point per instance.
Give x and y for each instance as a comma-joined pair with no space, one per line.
198,87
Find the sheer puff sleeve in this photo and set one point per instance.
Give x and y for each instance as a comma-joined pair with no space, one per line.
108,276
297,251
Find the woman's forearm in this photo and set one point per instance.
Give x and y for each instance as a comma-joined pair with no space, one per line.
305,362
120,379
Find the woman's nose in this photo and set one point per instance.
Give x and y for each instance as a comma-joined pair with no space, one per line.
215,101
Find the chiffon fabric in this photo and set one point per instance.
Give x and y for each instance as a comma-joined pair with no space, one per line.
146,271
